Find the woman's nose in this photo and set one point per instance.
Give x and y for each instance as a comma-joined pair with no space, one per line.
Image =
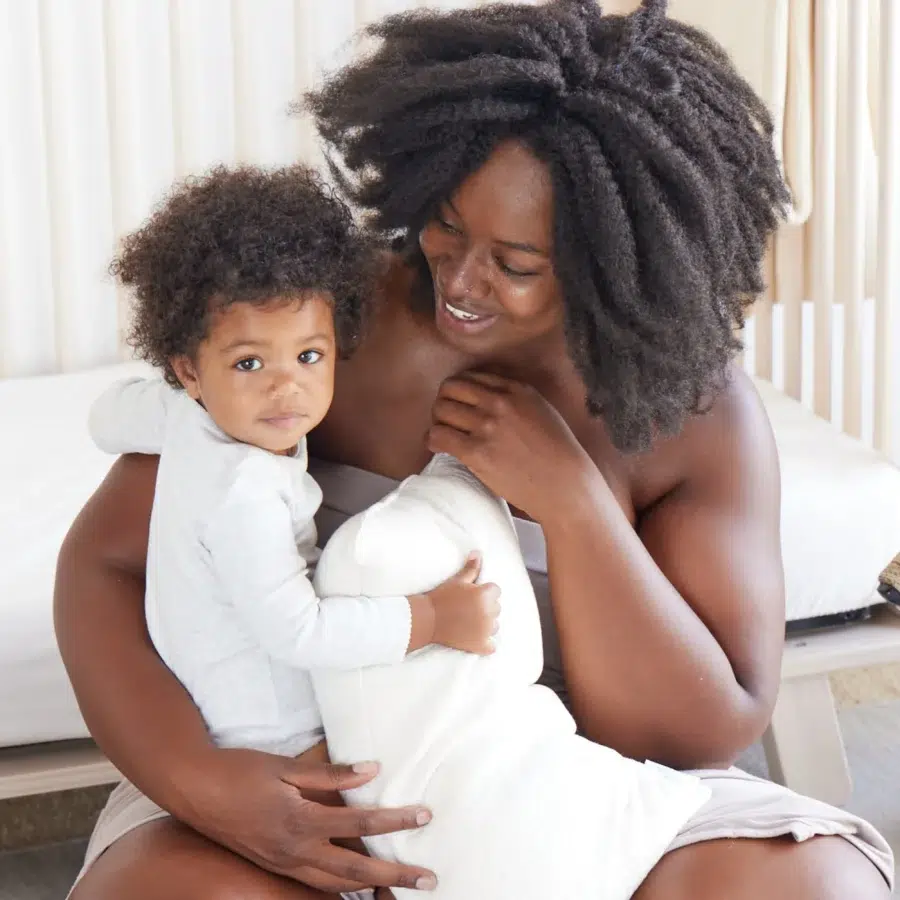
462,278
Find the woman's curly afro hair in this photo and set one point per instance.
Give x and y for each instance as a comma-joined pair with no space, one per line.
241,235
666,184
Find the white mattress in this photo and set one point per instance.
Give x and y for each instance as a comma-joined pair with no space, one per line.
840,512
841,525
48,468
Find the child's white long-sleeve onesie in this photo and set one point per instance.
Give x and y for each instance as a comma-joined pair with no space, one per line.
229,603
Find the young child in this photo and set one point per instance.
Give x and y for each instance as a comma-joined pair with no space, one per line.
247,286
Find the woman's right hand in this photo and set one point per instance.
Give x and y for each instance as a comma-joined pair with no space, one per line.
254,804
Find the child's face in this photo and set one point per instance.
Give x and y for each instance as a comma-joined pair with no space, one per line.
265,373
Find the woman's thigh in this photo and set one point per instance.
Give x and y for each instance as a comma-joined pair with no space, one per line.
824,868
164,860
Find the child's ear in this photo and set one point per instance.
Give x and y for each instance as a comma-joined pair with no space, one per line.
186,373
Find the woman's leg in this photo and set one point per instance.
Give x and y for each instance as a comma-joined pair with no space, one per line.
164,860
824,868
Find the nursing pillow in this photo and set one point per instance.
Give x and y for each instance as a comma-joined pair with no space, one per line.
523,807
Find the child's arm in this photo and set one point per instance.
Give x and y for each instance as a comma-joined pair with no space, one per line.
130,416
264,578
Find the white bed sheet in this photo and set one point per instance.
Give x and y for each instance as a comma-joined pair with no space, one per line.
48,468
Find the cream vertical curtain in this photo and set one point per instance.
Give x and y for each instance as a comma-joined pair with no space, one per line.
102,104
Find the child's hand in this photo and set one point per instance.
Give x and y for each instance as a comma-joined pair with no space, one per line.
464,613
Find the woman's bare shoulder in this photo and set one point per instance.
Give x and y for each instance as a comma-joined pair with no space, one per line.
732,435
736,424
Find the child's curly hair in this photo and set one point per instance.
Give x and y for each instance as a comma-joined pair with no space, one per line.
241,235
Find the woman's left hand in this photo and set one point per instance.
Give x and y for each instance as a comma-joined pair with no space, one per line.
508,435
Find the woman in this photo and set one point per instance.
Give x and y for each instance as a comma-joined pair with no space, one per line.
582,205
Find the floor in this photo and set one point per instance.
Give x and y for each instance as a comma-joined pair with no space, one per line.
873,741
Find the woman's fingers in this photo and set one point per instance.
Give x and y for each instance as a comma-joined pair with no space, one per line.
317,776
445,439
467,390
323,881
496,382
350,822
353,867
457,414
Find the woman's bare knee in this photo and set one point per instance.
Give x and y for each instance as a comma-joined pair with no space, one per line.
166,861
827,868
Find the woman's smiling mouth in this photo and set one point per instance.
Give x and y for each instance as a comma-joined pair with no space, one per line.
461,320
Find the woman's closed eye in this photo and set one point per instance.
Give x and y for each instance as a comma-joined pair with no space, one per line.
450,228
248,364
447,226
515,273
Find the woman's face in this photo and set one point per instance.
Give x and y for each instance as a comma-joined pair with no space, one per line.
489,251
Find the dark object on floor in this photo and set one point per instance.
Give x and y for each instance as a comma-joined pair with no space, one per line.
889,582
835,620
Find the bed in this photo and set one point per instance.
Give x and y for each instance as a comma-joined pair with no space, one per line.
841,525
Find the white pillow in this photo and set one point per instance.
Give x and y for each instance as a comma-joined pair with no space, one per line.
840,511
523,807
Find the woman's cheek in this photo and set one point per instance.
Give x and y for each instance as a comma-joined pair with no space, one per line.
433,242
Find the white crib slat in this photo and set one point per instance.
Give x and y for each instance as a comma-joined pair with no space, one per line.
27,329
887,299
789,289
763,336
763,325
823,219
77,123
852,220
792,350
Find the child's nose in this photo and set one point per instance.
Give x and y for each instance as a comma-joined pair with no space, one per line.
283,385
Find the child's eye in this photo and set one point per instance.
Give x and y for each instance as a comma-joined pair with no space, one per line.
250,364
309,357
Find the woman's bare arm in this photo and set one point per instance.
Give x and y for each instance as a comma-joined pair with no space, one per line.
136,710
672,636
